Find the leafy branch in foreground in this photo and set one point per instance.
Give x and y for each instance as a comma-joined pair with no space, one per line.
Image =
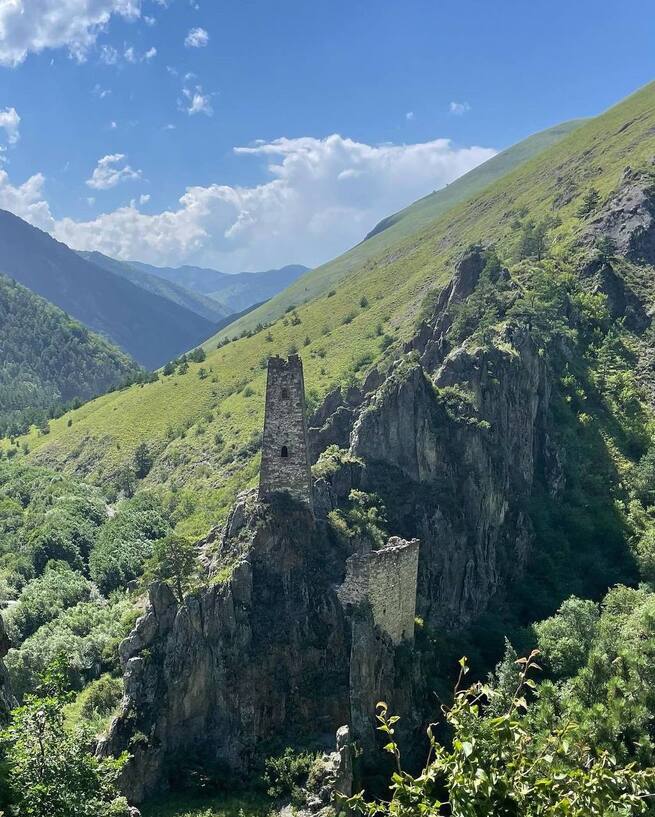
51,771
506,764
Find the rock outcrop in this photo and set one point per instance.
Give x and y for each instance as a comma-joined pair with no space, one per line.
454,458
262,654
300,638
628,218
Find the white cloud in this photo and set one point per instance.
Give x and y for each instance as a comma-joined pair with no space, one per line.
144,198
196,38
195,101
10,122
108,174
150,53
459,108
31,26
321,197
27,200
409,116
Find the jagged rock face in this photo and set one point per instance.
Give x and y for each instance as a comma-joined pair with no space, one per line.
628,219
453,445
262,655
461,484
622,301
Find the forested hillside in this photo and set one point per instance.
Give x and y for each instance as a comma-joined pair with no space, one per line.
49,361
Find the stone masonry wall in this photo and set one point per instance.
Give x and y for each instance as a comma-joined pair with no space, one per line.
285,463
386,579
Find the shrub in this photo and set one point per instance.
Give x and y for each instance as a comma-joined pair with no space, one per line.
284,774
44,598
125,543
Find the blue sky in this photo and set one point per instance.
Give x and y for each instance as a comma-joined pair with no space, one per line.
121,117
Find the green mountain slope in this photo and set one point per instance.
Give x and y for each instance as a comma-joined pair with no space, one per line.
49,360
150,328
401,225
202,424
234,292
206,307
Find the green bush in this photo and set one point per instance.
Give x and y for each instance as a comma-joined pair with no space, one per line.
44,598
125,543
285,774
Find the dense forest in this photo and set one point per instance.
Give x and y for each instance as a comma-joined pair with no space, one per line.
49,361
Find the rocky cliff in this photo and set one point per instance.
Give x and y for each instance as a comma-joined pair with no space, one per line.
452,438
261,654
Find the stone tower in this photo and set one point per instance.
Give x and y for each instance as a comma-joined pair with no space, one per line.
285,461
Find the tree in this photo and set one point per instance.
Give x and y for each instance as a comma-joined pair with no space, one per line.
566,638
169,368
173,559
502,765
534,239
589,203
197,355
606,248
126,481
142,460
51,772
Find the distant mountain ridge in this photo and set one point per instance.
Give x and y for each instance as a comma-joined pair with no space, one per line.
235,292
149,327
201,304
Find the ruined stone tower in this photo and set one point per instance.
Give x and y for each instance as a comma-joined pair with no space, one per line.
285,462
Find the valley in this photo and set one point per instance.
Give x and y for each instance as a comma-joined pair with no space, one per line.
371,538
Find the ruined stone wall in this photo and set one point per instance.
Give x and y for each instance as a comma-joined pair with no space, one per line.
285,463
387,580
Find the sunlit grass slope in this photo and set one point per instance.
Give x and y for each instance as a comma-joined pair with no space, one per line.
399,226
201,425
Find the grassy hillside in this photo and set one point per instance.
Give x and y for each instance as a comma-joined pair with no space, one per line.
49,360
206,307
393,229
202,424
150,328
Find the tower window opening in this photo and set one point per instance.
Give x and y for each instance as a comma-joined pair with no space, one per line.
284,452
285,393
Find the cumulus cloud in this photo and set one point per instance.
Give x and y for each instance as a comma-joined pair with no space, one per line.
31,26
10,122
318,198
459,108
321,196
196,38
27,200
107,173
